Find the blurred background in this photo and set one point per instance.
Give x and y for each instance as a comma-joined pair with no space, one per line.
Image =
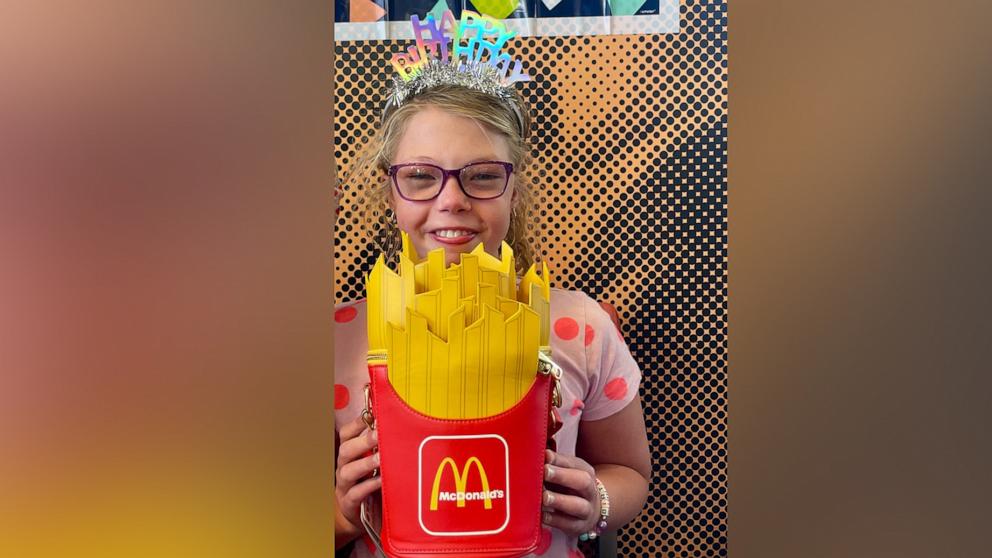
166,284
859,265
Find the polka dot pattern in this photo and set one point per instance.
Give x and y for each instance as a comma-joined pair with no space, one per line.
616,389
566,328
590,334
577,407
341,396
345,315
630,144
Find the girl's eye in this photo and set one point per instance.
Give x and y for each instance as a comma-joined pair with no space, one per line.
485,173
418,174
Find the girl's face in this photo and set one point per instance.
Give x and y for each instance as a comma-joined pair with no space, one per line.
452,220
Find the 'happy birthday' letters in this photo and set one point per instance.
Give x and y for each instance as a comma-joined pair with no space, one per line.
477,39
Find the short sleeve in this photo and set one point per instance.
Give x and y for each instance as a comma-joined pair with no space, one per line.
614,375
350,365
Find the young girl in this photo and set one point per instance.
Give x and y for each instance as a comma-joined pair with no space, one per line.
448,166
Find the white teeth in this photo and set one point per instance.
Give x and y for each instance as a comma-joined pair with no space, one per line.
452,233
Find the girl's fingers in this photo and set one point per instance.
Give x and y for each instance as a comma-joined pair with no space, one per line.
352,429
355,463
568,498
353,498
568,462
357,446
579,481
350,473
566,523
568,504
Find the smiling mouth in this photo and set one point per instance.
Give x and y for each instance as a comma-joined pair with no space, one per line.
453,236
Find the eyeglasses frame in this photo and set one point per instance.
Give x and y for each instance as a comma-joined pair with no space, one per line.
447,173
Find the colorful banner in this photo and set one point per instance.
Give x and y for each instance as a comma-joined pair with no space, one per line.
364,20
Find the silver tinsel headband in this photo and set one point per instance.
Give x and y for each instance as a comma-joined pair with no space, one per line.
473,60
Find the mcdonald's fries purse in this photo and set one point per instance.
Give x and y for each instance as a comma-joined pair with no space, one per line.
463,394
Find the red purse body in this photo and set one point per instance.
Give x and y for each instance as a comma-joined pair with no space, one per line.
460,488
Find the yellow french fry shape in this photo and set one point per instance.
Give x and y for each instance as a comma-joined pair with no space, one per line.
460,341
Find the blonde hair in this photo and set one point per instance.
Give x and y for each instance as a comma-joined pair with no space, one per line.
368,173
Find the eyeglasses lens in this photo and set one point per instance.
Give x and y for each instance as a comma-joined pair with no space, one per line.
484,180
419,183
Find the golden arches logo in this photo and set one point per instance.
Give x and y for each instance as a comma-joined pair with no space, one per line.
461,480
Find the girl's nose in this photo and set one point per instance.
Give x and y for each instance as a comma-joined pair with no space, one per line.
452,198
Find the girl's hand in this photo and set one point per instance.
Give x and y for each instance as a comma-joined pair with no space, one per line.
353,483
571,500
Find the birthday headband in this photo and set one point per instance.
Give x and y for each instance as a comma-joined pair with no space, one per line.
467,54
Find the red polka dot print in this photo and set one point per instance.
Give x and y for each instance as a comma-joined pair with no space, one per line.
545,543
341,396
590,335
566,329
577,407
616,389
345,315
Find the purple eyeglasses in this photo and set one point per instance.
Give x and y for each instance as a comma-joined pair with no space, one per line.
484,180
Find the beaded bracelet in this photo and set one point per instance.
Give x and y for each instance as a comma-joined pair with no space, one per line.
604,513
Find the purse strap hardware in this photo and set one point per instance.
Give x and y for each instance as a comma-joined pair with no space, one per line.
547,367
367,415
366,516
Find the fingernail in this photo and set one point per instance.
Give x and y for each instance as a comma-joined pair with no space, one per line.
548,472
376,459
547,517
549,498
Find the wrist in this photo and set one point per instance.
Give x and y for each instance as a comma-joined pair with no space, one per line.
602,521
